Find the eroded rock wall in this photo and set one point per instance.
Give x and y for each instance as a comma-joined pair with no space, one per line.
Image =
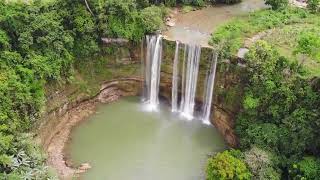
104,78
228,89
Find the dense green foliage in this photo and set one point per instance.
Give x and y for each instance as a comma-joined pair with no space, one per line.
281,111
39,43
307,168
192,2
176,2
279,122
314,5
309,45
278,125
262,164
227,165
277,4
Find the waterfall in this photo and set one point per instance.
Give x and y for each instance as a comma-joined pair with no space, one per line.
189,82
208,91
175,79
152,71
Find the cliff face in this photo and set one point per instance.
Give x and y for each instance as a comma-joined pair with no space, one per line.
104,78
228,89
117,72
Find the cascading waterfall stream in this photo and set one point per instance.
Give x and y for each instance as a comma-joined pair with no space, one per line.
152,71
190,77
175,79
208,94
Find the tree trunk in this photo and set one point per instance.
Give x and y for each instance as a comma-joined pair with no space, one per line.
88,7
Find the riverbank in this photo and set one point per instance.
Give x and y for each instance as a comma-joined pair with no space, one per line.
197,26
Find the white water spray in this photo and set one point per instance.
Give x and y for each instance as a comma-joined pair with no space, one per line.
189,82
175,79
152,71
208,94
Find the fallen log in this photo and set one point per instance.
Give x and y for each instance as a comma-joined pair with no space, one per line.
114,40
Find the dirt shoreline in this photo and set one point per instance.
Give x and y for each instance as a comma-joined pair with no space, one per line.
70,115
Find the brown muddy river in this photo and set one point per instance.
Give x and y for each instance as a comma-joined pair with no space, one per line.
196,26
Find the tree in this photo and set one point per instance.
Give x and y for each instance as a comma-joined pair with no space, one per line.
262,164
227,165
152,18
307,168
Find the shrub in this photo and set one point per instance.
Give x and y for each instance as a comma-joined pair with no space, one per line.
277,4
229,1
262,163
308,168
308,45
227,165
194,2
187,8
313,5
152,18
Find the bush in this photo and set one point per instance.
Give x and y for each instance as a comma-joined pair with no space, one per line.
277,4
152,18
308,168
262,164
228,1
170,2
227,165
187,8
313,5
308,45
26,162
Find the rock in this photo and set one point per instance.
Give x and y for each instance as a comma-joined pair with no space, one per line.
242,52
84,167
170,23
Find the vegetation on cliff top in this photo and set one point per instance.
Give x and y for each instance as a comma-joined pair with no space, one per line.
235,34
279,121
280,116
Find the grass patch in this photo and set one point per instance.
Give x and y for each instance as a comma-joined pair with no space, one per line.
237,30
187,8
288,24
285,39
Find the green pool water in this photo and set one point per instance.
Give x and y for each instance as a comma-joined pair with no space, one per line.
123,142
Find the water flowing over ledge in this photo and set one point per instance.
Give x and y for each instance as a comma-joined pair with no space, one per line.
209,90
152,72
188,76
